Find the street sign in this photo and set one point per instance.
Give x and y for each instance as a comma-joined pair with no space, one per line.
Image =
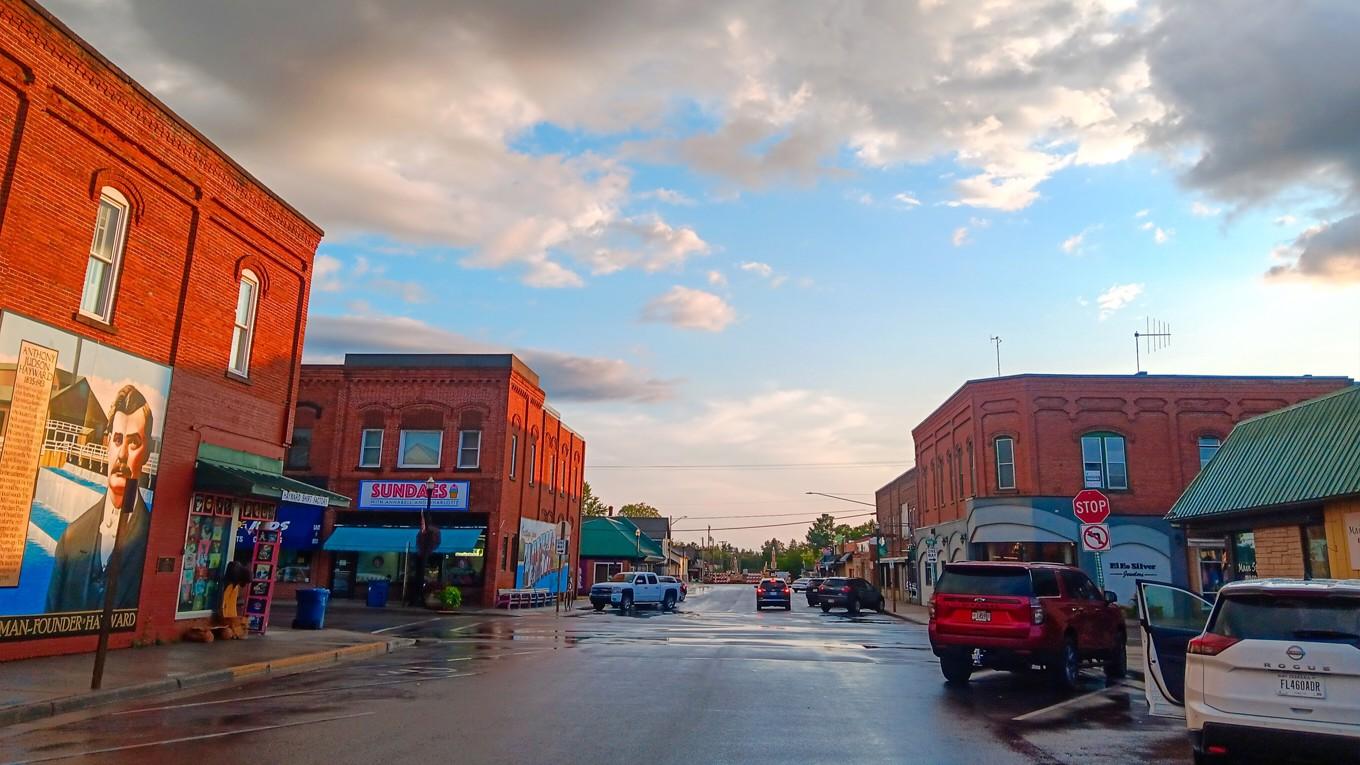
1090,506
932,555
561,547
1095,537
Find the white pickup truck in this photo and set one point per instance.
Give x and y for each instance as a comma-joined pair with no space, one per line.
634,588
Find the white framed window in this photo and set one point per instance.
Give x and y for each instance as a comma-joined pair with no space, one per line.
370,447
1104,465
514,455
1005,463
469,448
243,333
420,448
106,255
533,463
552,476
1208,447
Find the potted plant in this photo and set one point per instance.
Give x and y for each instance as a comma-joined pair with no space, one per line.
450,598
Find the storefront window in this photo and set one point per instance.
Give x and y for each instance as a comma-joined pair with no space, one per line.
463,570
208,545
1316,564
295,566
1244,555
1043,552
1213,566
378,566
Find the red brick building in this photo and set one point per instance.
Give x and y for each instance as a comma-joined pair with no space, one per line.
1000,460
379,425
153,309
897,513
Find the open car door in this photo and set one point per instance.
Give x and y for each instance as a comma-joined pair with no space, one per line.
1169,617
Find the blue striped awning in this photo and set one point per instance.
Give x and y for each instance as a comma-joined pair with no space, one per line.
376,539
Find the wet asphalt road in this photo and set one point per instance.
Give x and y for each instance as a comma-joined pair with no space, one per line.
713,683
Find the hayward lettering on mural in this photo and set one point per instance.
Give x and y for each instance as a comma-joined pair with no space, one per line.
411,495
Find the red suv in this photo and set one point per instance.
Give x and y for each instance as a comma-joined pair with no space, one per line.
1016,615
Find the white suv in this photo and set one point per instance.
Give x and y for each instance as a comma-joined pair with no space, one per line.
1271,668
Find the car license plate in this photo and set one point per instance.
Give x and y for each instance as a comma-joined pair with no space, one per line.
1303,686
982,616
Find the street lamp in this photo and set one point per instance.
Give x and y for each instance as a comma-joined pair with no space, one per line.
637,554
427,539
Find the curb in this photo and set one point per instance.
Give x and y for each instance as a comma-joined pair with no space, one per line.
287,665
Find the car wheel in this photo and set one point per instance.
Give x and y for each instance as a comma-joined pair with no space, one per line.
826,608
668,602
789,607
597,606
1117,666
1067,668
626,602
957,667
854,606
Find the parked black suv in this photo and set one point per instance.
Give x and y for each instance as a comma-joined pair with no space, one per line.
812,586
850,594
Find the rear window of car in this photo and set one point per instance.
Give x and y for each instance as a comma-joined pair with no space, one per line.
836,582
988,580
1284,617
774,584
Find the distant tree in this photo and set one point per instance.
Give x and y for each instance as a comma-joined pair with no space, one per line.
639,510
822,532
591,504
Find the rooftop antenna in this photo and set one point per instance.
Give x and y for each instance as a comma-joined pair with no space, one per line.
996,340
1156,336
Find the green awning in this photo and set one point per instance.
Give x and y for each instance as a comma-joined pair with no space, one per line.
617,537
222,478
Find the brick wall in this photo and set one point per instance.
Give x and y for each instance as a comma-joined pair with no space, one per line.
72,124
888,502
1279,552
339,401
1161,418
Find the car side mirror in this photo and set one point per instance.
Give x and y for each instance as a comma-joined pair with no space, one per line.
1111,598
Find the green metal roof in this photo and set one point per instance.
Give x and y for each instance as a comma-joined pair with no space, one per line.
614,538
1303,453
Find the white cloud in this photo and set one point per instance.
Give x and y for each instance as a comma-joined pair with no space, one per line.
960,237
716,279
1328,252
763,270
326,273
668,196
564,376
645,242
1072,244
1161,235
1117,297
690,309
1286,220
1201,210
907,199
1142,213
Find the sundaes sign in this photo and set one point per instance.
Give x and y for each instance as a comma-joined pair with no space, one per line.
411,495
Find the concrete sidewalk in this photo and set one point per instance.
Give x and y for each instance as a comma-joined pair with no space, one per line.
42,687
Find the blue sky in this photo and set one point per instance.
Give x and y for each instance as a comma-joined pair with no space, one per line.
728,234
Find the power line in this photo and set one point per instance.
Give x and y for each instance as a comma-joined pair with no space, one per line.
755,515
751,466
763,526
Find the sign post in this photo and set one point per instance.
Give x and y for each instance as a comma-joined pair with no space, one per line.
1092,508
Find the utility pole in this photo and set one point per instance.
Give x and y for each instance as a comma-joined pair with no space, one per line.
996,340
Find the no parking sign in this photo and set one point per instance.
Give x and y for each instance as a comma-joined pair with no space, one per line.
1095,537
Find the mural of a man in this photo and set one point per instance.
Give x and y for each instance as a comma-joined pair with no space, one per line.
81,562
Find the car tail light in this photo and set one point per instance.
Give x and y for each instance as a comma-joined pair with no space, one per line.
1210,644
931,609
845,589
1036,611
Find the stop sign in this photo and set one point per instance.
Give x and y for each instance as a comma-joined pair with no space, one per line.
1090,506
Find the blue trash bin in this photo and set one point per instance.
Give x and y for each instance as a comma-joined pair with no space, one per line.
377,593
311,609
